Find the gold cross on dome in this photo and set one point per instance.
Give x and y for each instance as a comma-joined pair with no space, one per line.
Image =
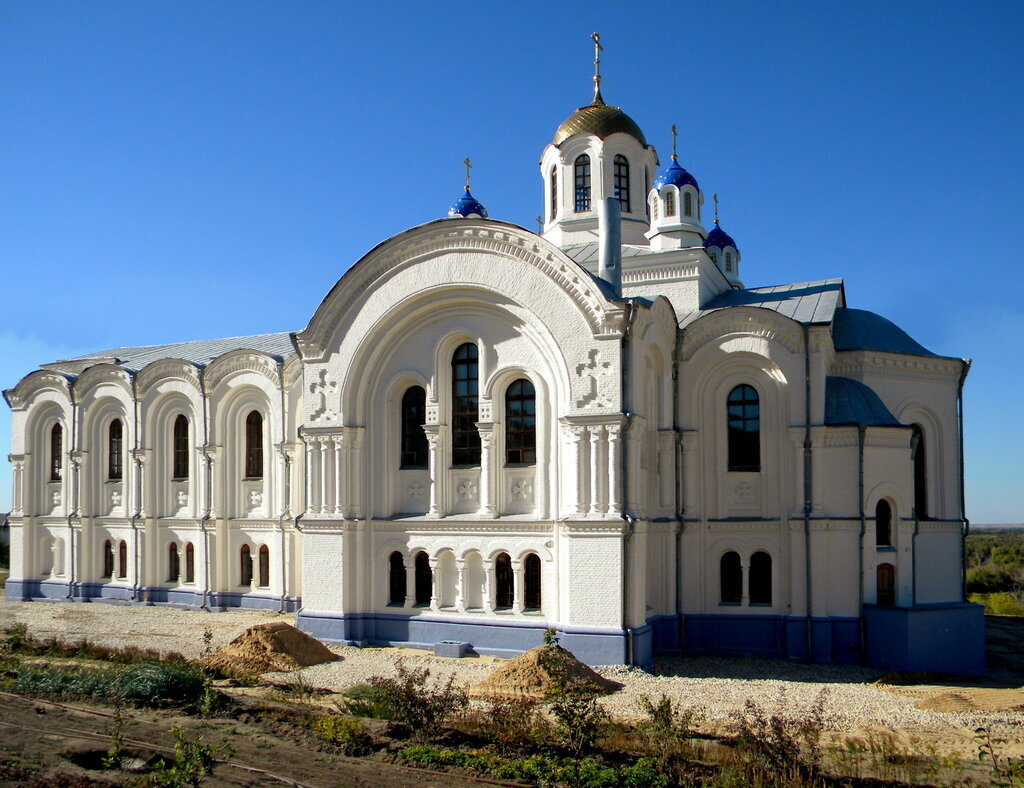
596,38
715,196
468,166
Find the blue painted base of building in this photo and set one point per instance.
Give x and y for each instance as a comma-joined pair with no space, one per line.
830,640
941,638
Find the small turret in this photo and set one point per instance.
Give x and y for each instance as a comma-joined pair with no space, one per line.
674,203
721,248
467,206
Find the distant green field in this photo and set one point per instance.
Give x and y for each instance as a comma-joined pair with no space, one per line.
995,570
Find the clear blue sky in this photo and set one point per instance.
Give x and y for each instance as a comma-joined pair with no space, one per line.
189,170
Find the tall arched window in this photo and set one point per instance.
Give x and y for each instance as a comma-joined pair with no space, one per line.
883,524
920,475
245,567
582,177
254,445
424,579
122,559
760,578
670,203
465,406
190,563
744,429
414,439
620,167
730,578
504,582
264,576
531,582
108,559
180,448
56,450
396,579
115,447
654,202
554,193
173,563
687,204
520,423
885,585
728,262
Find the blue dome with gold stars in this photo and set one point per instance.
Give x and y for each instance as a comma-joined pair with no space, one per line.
467,206
720,238
676,176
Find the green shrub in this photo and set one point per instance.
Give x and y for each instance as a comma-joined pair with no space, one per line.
345,732
407,698
145,683
193,761
1001,604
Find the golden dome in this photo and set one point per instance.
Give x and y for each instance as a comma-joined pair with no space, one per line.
600,120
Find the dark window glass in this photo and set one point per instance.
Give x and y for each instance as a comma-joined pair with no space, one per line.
621,173
582,173
687,204
520,423
647,186
245,575
744,429
264,566
396,579
504,582
883,524
173,563
531,582
115,446
414,439
731,579
760,578
554,193
190,563
670,203
56,462
122,559
885,583
108,559
424,579
465,411
180,470
920,476
254,445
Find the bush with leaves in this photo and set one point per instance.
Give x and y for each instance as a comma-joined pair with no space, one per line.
343,731
514,724
407,698
774,740
194,761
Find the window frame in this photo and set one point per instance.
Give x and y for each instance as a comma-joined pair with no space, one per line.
180,448
413,438
465,406
173,563
190,562
115,450
743,440
883,525
521,427
263,565
398,579
670,203
533,598
254,445
730,586
620,182
554,193
245,566
920,461
889,570
108,560
504,582
56,452
423,585
687,204
759,579
122,560
581,182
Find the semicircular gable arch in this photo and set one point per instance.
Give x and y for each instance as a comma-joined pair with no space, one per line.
35,383
88,385
240,361
721,325
161,370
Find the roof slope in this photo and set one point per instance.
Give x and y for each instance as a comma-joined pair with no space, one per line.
859,329
849,401
805,302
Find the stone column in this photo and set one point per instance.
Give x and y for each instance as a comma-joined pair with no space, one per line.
517,587
309,475
339,487
596,507
577,434
745,582
460,587
433,433
487,474
435,596
410,581
18,476
488,585
323,441
614,469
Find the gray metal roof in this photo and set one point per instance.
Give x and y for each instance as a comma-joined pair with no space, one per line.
849,401
806,302
859,329
588,253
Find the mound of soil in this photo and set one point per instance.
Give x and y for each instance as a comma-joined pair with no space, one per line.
975,700
276,646
530,675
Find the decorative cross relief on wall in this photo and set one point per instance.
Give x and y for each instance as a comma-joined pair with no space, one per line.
588,385
55,498
744,492
417,491
322,390
255,499
522,489
182,499
115,498
467,489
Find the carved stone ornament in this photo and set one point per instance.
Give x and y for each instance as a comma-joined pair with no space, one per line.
182,499
522,489
115,498
255,499
55,497
588,386
467,489
417,491
323,391
744,492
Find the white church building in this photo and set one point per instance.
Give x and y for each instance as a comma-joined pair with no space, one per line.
484,432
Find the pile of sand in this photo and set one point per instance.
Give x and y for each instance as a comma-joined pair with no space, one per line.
530,676
276,646
975,700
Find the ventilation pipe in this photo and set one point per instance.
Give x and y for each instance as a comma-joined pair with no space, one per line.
609,225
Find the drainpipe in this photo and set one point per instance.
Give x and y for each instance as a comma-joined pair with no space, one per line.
207,504
72,496
966,524
135,485
624,474
808,479
861,430
285,489
609,228
915,444
680,508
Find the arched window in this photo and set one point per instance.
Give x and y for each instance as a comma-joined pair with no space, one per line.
465,407
504,582
647,185
51,556
122,559
245,567
730,578
190,563
414,439
883,524
396,579
885,585
520,423
173,563
424,579
180,460
744,429
687,204
254,445
728,262
554,193
654,203
582,176
264,576
56,460
714,256
108,559
670,203
620,168
115,447
920,475
760,578
531,582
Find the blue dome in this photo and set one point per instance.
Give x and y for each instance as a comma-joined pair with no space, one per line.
720,238
467,205
676,176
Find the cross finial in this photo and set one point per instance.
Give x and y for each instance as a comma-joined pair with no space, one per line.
715,196
674,135
540,225
596,38
468,166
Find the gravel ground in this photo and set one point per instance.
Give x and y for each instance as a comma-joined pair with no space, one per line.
717,686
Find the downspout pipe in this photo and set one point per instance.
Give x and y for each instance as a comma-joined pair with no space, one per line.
609,227
808,480
861,434
915,447
624,475
72,496
966,524
285,489
207,504
136,511
679,503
